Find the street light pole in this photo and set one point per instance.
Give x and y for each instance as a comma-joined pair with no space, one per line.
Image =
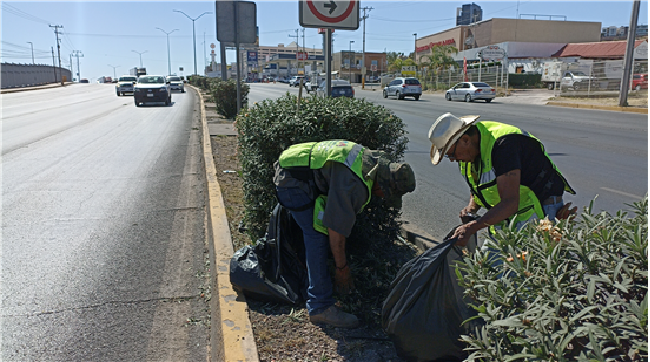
194,33
140,56
114,75
350,56
169,61
32,51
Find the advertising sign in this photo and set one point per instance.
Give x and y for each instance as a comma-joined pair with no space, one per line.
493,53
409,71
302,56
251,56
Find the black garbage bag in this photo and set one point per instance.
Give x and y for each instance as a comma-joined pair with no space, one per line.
424,311
274,269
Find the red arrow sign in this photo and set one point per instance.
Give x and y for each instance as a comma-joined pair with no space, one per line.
329,19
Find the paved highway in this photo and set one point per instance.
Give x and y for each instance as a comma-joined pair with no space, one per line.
601,153
103,234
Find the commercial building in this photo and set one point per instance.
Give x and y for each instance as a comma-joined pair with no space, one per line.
350,65
468,13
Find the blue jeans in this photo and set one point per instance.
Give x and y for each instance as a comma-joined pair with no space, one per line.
551,210
317,248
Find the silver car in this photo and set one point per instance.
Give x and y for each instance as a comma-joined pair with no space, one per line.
125,84
401,87
176,83
471,91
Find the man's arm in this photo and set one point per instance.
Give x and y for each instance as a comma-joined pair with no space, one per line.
508,188
337,245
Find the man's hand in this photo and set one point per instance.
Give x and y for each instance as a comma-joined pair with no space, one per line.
344,284
566,212
463,232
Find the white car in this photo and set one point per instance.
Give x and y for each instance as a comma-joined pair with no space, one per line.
176,83
471,91
295,81
340,88
125,84
401,87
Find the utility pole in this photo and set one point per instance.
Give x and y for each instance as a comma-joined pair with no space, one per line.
363,62
205,59
54,65
350,57
628,62
114,75
169,61
77,53
140,56
71,71
297,50
32,44
58,45
194,33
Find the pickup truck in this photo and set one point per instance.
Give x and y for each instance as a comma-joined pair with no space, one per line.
577,80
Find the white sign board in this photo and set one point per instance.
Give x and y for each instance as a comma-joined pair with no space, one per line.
493,53
330,14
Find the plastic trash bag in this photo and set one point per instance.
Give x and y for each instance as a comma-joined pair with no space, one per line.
274,270
424,311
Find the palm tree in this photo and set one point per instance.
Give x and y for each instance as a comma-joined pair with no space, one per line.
439,59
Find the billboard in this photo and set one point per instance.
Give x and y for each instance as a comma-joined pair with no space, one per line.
251,56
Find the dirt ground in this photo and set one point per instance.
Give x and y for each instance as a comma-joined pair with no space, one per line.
283,332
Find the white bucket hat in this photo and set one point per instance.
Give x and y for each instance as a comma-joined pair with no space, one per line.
446,130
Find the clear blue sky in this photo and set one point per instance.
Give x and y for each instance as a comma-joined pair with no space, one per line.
108,32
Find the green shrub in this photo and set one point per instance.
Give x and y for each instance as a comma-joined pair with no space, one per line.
580,294
224,94
269,127
524,80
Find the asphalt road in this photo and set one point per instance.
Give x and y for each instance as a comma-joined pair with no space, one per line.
103,233
601,153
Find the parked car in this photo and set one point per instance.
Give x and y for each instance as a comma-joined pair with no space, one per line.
578,80
340,88
176,83
639,81
83,80
402,87
295,80
471,91
312,85
125,84
152,89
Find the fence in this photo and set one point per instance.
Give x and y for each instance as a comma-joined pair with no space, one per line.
29,75
592,78
444,79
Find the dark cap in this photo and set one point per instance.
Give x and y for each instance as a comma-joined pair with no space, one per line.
394,179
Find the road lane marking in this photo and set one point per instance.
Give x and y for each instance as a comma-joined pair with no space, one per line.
621,193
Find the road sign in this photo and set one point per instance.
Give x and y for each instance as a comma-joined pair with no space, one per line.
373,67
493,53
409,70
246,21
329,14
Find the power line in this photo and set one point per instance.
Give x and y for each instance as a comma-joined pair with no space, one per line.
14,10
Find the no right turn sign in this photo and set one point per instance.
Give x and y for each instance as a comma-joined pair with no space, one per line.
329,14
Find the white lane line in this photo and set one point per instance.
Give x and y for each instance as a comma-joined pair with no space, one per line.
621,192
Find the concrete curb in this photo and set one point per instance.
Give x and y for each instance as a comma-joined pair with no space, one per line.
229,311
599,107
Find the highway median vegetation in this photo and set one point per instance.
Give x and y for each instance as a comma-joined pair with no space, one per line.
573,291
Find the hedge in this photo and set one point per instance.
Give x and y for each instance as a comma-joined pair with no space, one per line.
269,127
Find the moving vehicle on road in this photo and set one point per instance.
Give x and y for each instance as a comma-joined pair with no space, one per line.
176,83
340,88
125,84
402,87
152,89
471,91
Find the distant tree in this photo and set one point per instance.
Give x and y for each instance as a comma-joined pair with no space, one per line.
399,63
391,57
439,59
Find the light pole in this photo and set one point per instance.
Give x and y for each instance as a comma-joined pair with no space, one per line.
350,53
140,56
194,33
32,51
415,47
169,61
114,76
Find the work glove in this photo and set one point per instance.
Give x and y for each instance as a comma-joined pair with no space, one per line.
343,281
566,212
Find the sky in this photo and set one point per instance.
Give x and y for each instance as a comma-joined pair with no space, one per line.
114,36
